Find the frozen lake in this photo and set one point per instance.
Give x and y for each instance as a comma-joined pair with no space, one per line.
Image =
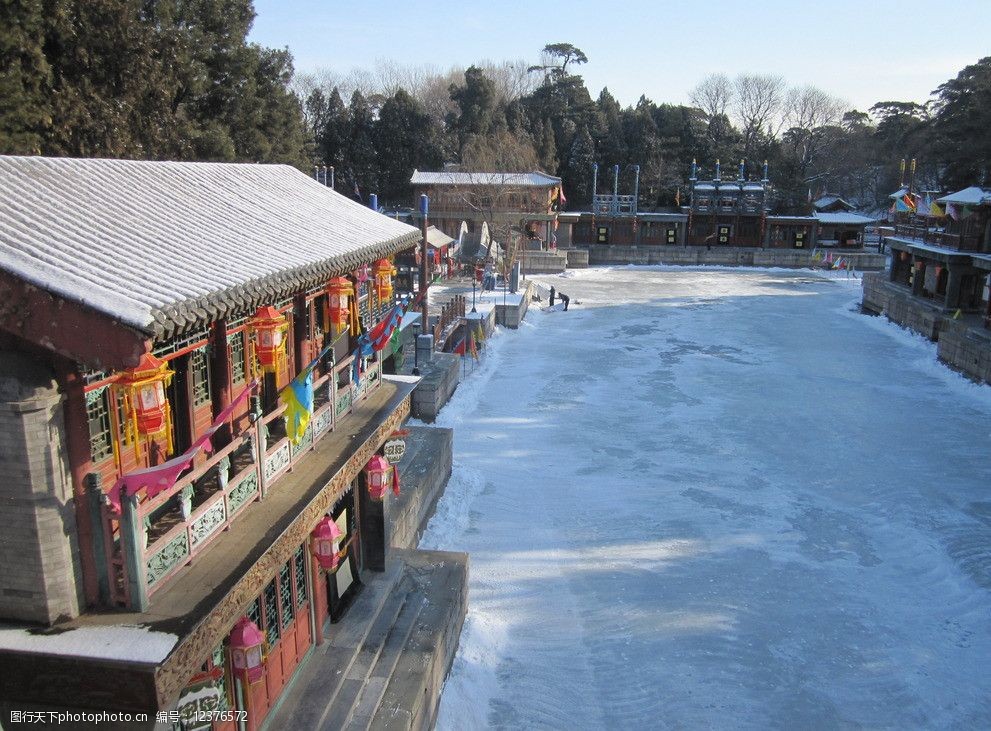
718,499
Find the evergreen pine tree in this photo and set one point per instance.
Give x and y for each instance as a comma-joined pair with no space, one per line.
359,156
577,175
24,73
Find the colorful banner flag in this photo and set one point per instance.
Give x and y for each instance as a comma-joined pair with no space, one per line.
164,476
472,348
380,334
298,398
909,200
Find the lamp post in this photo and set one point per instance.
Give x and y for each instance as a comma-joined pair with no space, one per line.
417,327
473,291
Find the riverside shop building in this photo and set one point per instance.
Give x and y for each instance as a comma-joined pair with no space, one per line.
151,313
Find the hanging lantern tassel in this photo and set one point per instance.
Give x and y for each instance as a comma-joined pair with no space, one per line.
353,306
395,480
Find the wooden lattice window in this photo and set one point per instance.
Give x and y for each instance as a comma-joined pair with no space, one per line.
199,365
98,413
254,613
238,371
270,599
299,565
285,595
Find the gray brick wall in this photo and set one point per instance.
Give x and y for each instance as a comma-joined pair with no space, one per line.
40,577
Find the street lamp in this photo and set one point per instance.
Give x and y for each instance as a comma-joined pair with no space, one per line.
474,276
417,327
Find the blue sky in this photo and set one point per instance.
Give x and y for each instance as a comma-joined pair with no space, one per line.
861,50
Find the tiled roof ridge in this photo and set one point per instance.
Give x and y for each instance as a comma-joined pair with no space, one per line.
161,246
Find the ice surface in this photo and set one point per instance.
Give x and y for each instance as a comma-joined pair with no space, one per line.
718,499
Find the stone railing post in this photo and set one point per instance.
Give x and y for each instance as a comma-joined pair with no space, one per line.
132,546
94,494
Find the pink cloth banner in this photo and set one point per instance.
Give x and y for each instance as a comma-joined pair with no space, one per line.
164,476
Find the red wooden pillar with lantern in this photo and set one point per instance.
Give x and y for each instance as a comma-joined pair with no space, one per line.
383,272
147,413
326,550
247,648
268,338
375,481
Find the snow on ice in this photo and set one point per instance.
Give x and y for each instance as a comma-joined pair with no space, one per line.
718,498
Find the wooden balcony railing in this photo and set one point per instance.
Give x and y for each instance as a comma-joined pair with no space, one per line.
450,314
160,535
937,236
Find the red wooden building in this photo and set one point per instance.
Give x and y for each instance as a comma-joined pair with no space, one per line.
143,302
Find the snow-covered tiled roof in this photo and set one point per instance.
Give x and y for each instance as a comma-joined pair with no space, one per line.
165,246
437,238
900,193
535,179
972,196
850,219
829,199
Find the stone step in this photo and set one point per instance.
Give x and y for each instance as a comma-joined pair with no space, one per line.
384,664
317,683
411,697
378,679
342,703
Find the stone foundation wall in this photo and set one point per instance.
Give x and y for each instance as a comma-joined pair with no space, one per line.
439,379
899,306
424,471
577,258
965,350
40,575
511,315
724,256
545,262
959,345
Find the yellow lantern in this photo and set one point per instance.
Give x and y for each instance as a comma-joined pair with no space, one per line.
339,292
269,328
145,405
383,272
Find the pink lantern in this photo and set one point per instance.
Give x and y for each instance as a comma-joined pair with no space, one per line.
377,473
326,544
246,642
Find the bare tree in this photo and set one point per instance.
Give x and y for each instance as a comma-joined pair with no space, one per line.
512,79
809,107
713,95
808,113
758,101
490,186
435,94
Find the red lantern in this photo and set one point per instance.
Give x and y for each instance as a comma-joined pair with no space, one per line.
377,473
269,328
147,409
246,642
326,544
339,290
383,271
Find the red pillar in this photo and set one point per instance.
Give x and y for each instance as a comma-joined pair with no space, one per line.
77,439
319,598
